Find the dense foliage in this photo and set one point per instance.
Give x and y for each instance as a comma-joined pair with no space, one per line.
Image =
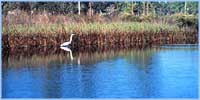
137,8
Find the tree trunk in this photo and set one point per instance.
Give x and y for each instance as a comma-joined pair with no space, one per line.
79,7
90,12
147,13
144,6
185,7
132,6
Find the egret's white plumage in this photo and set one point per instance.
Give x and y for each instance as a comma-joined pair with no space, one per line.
69,42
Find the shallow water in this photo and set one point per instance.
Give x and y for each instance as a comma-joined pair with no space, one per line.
158,72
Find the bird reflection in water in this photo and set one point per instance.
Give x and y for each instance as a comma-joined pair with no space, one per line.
71,55
68,50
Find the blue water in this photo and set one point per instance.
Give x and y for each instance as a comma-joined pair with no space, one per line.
160,72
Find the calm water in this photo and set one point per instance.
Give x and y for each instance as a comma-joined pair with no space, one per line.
159,72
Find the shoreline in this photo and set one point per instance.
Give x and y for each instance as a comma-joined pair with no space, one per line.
96,40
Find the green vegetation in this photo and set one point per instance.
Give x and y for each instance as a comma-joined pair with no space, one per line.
99,17
119,27
187,21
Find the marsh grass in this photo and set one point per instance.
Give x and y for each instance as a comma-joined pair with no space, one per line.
22,23
89,28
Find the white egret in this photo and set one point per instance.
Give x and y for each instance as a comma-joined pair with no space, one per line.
69,42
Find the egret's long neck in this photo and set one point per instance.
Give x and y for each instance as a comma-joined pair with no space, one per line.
70,38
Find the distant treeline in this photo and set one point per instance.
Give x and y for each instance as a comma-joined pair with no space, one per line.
134,8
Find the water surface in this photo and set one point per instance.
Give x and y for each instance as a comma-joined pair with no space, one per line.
158,72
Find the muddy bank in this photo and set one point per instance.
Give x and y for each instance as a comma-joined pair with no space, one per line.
95,40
